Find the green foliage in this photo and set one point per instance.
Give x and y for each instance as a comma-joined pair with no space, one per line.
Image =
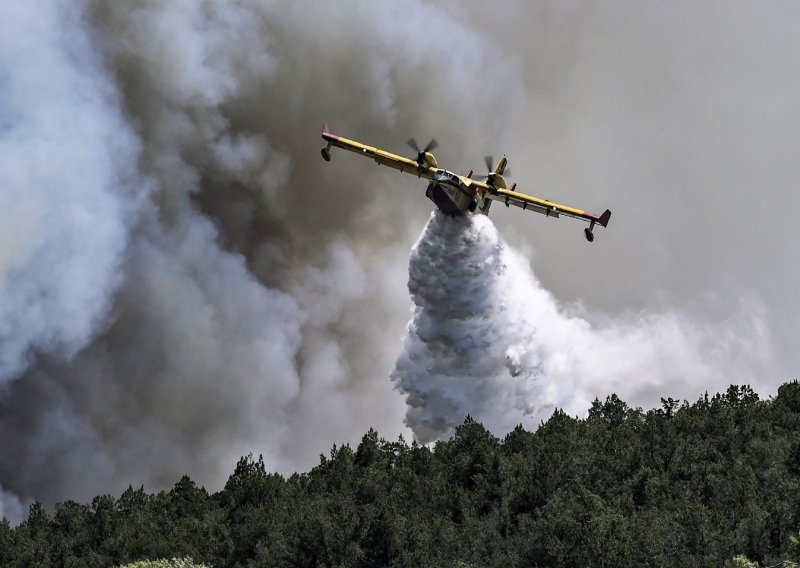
741,561
173,563
712,483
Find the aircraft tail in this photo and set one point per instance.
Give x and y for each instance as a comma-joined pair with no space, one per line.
501,165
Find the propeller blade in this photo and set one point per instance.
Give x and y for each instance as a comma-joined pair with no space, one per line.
413,143
489,163
431,145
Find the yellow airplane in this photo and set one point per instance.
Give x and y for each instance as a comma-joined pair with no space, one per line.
463,195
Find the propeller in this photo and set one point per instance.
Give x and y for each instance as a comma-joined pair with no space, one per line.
489,161
421,153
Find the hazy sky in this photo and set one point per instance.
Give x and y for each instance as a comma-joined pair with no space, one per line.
183,280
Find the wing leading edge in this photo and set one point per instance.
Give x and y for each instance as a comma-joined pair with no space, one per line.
380,156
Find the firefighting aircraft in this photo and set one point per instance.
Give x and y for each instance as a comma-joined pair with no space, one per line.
463,195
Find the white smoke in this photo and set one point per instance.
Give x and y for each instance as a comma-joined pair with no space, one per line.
11,507
69,187
488,340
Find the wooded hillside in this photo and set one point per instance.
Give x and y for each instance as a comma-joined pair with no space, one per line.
685,484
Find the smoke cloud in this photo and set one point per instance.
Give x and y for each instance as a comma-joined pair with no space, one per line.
216,298
183,280
69,186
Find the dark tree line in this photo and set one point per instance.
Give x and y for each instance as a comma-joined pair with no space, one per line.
682,485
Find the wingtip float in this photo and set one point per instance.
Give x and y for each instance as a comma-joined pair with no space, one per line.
455,194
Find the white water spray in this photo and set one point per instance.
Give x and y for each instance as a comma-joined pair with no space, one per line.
486,339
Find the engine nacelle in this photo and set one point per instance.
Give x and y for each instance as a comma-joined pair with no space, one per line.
496,180
429,160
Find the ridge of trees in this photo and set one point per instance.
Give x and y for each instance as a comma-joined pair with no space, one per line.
716,482
164,563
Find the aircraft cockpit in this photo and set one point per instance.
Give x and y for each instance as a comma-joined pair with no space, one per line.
446,177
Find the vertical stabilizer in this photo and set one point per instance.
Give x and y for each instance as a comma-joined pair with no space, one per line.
501,165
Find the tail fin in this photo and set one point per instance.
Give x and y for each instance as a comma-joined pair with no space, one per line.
501,165
604,218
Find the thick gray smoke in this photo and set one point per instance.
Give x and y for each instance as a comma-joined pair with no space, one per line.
182,284
68,200
183,280
487,340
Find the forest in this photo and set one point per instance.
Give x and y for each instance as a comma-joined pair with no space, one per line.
710,483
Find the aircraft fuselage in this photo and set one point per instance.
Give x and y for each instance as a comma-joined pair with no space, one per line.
453,196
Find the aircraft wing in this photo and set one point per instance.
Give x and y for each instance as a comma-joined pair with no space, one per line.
546,207
380,156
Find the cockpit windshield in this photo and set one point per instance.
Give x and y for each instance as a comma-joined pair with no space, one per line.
444,175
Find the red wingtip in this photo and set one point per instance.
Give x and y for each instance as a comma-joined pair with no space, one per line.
326,134
603,219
